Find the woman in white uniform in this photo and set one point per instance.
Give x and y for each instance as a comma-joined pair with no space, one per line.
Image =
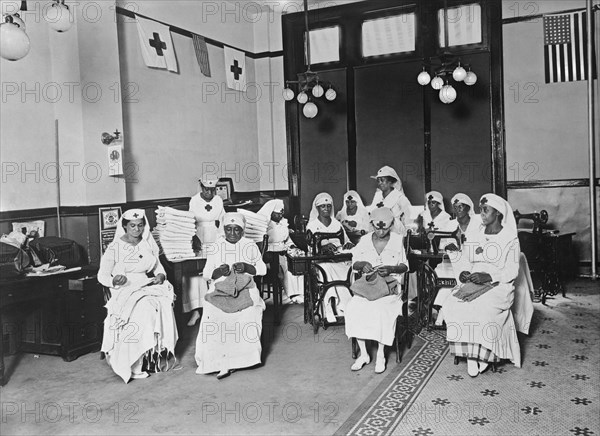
354,216
390,194
322,221
208,210
480,325
435,215
230,339
140,316
279,241
380,252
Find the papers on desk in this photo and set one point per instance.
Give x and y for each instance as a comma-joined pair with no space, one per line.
47,270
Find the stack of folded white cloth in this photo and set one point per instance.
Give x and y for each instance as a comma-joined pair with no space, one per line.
175,229
256,225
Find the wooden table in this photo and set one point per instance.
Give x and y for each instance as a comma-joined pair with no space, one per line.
68,309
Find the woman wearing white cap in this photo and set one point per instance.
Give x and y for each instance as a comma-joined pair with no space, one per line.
468,227
140,317
435,215
480,325
354,216
279,240
322,221
230,328
390,194
380,252
208,210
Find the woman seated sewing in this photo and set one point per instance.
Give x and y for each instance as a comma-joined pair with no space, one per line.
390,194
322,221
354,216
478,316
435,216
280,241
231,325
372,312
140,317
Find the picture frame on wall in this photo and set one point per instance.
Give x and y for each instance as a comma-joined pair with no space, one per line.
225,189
109,220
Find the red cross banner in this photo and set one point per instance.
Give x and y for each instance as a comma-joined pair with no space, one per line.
235,69
156,44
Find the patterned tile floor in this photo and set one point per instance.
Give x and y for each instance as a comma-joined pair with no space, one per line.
556,392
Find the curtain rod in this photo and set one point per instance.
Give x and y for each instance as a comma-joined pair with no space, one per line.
595,8
187,33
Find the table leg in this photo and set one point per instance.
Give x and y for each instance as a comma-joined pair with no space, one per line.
276,288
1,352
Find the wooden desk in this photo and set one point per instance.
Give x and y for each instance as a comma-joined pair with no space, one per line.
67,310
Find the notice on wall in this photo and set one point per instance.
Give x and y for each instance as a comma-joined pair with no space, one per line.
115,156
109,220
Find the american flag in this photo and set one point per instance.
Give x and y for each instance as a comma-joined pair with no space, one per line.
201,54
565,52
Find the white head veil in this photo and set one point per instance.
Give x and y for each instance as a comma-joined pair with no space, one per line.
464,199
436,196
501,205
271,206
322,198
354,196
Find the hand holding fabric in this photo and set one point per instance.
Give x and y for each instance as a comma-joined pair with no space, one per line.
243,267
480,278
119,280
159,279
221,271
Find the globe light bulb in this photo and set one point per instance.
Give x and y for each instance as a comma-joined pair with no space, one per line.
437,83
423,78
14,42
310,110
59,17
471,78
302,97
330,94
459,74
447,94
288,94
318,91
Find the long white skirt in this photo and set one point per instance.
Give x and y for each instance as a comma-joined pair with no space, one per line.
229,340
374,320
194,289
487,321
151,327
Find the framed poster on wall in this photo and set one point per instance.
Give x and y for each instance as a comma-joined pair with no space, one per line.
225,189
109,220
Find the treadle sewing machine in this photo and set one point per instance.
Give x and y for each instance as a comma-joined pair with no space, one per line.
427,257
316,281
548,252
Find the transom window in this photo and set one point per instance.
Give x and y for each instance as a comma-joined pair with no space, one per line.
464,25
395,34
324,45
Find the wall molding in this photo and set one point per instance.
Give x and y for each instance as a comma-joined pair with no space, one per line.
83,211
524,18
211,41
536,184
